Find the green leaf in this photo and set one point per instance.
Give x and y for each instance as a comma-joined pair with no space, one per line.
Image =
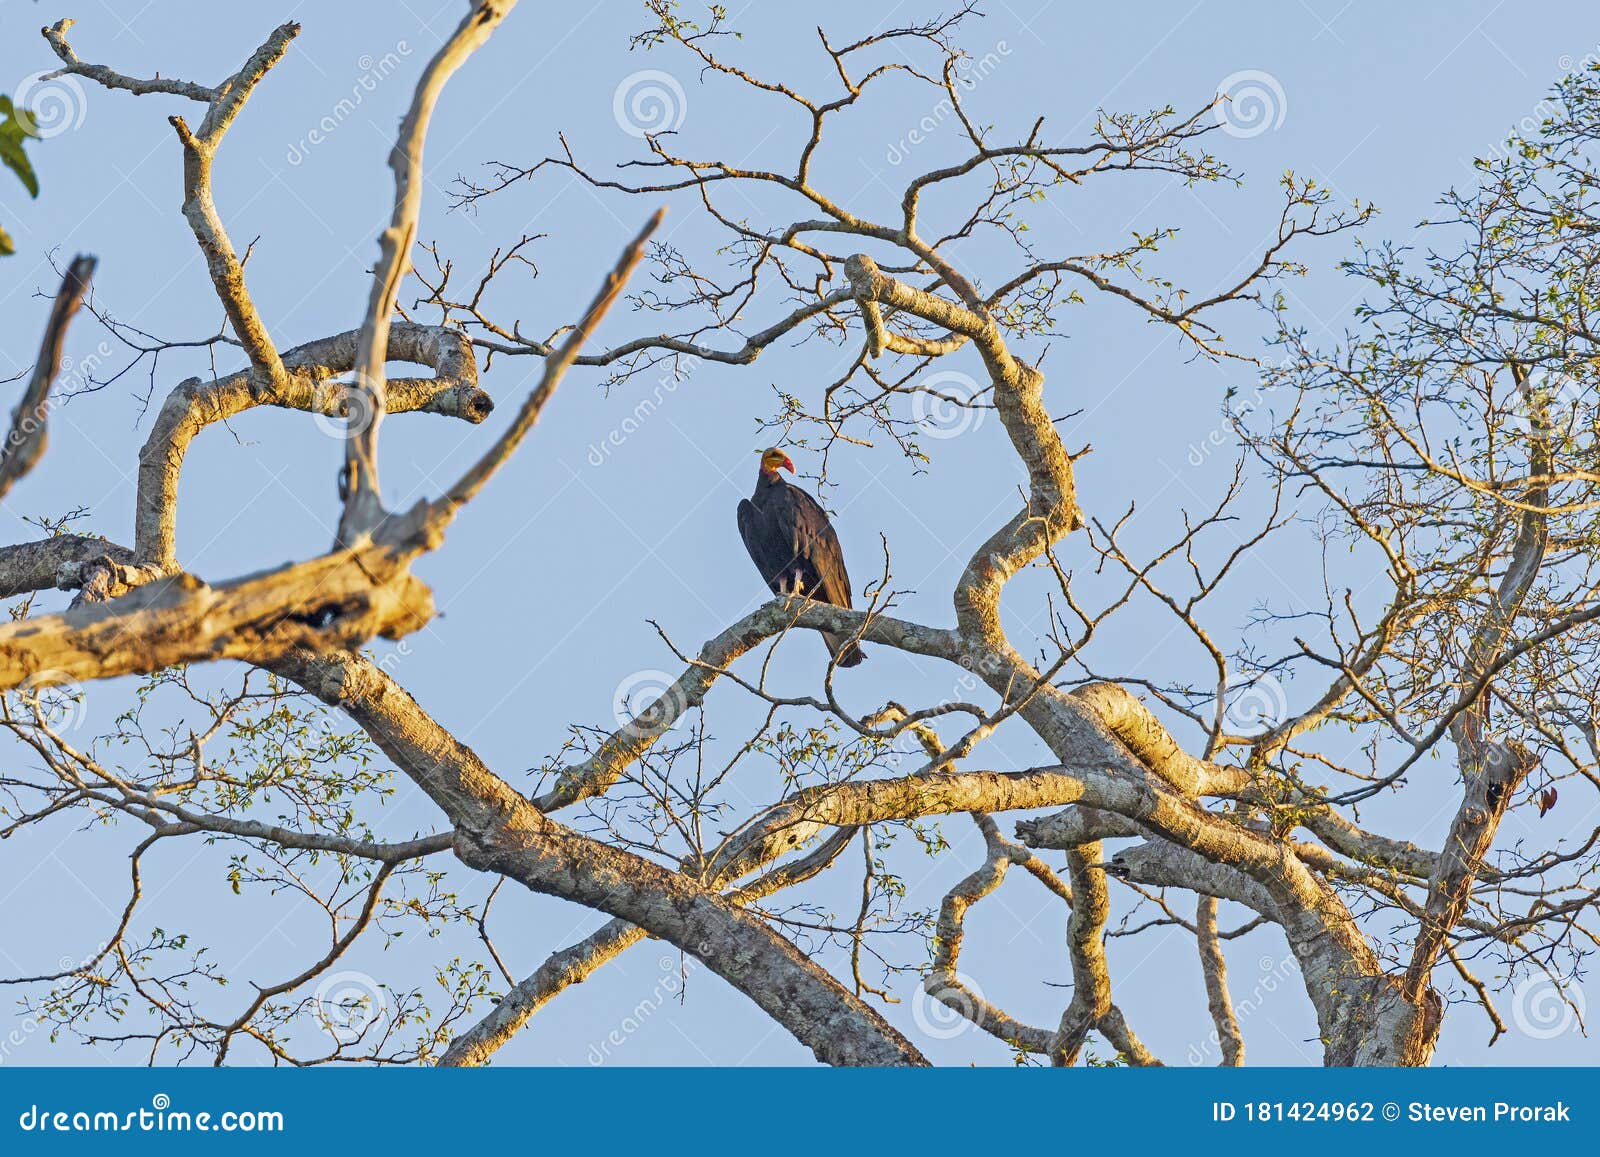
7,246
15,128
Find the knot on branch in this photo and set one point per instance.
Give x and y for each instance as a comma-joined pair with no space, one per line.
475,405
1077,825
106,577
866,283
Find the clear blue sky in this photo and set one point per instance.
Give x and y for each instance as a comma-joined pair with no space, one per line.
547,581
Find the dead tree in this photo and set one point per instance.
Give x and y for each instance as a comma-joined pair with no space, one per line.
1446,440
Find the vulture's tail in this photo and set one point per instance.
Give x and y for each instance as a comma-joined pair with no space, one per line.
842,649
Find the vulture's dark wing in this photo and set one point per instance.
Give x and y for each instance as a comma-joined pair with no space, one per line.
770,549
789,536
815,542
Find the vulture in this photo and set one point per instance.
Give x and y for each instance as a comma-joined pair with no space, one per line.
794,547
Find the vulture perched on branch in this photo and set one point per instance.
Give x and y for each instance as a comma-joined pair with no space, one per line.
794,547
